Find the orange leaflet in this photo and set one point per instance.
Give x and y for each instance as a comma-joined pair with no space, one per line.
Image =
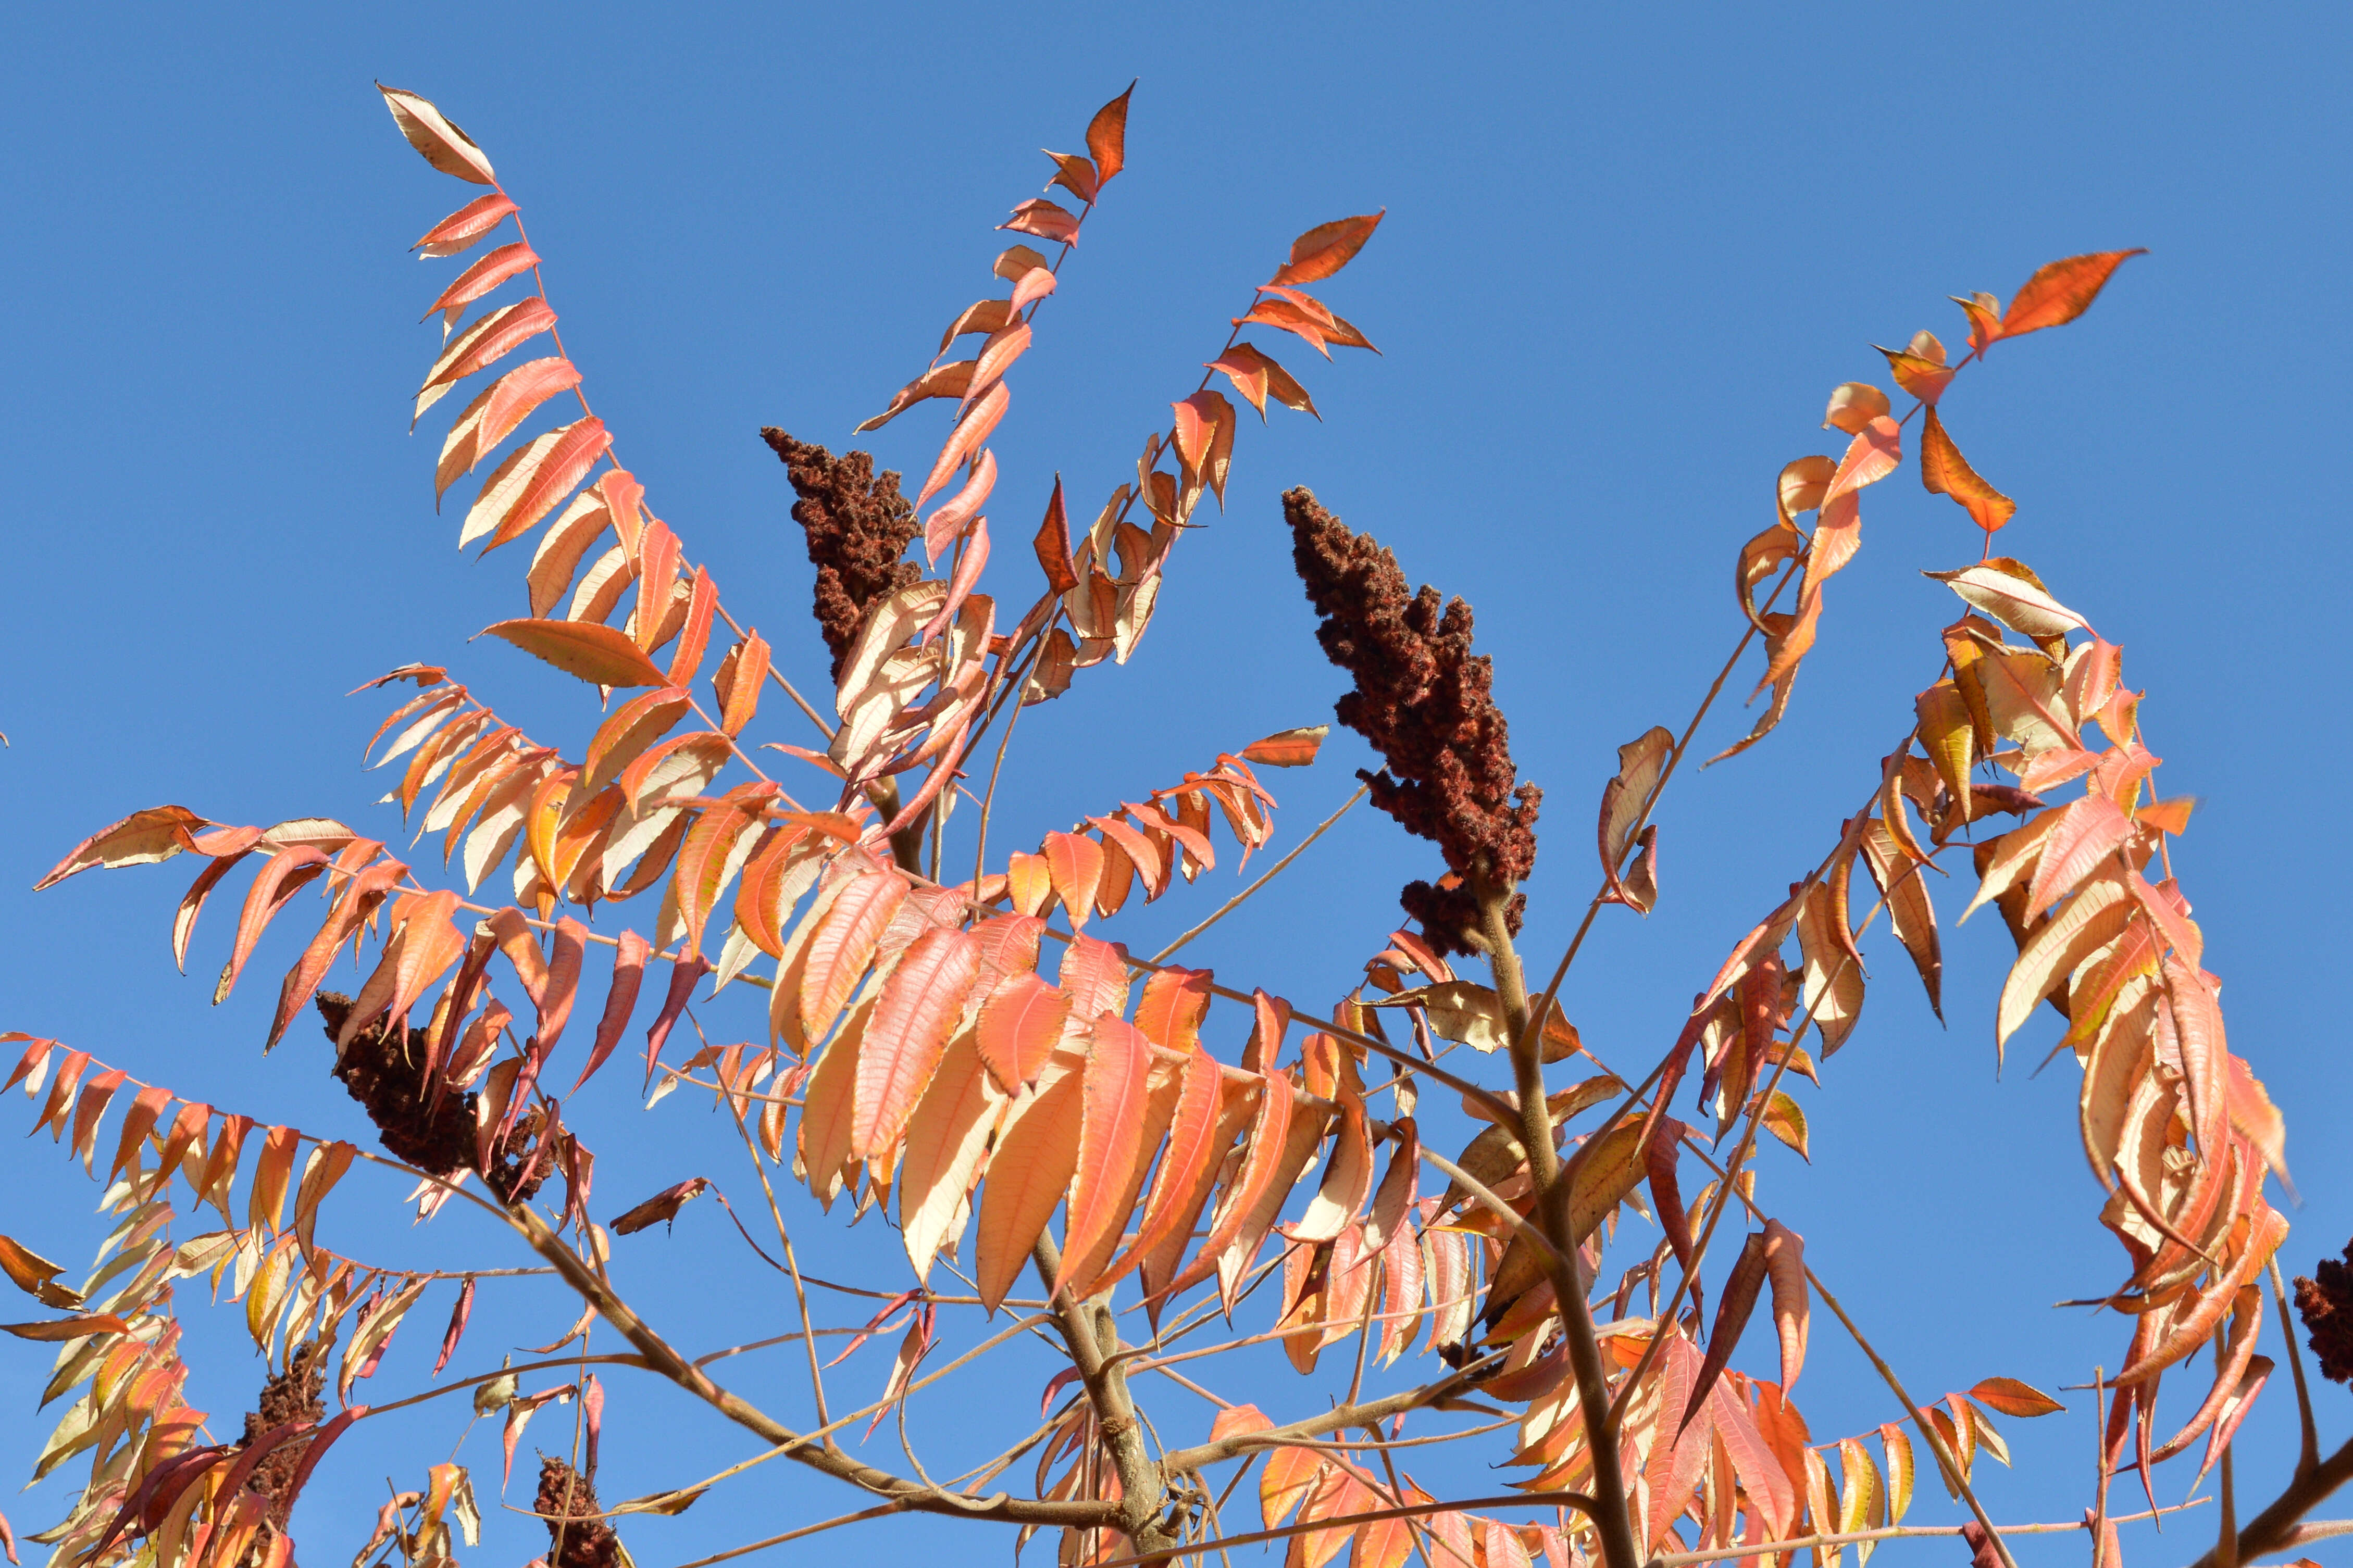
713,849
599,654
1028,1175
1945,472
1095,975
635,725
946,1137
1179,1186
1107,137
1075,865
1174,1002
1287,748
907,1034
843,948
1111,1130
2062,290
737,682
1327,248
1270,1132
1019,1028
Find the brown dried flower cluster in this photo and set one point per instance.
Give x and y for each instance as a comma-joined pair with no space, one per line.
294,1395
577,1537
2325,1303
857,526
1425,702
383,1069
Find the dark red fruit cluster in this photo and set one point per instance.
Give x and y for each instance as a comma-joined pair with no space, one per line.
383,1069
1426,702
857,526
577,1537
2325,1303
295,1395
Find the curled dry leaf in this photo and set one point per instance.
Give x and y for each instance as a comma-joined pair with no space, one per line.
1946,472
660,1208
1853,405
2011,594
1287,748
428,130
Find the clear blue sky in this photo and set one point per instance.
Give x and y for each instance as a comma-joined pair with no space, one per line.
1628,252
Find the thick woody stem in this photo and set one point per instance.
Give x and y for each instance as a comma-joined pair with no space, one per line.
2274,1529
1092,1335
1610,1520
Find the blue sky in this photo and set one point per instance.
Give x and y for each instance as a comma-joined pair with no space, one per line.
1629,251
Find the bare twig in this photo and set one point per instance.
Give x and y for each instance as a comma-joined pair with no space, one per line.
1222,911
1944,1458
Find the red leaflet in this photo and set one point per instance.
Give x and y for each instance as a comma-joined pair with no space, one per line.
1046,220
1020,1026
1053,544
359,897
973,428
1327,248
629,954
562,988
996,355
481,277
684,974
949,521
1107,137
464,229
489,338
528,485
907,1033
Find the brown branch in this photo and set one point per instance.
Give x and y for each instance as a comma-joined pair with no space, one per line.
1091,1332
1611,1522
1892,1532
667,1361
2279,1527
1577,1501
1222,911
1944,1458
